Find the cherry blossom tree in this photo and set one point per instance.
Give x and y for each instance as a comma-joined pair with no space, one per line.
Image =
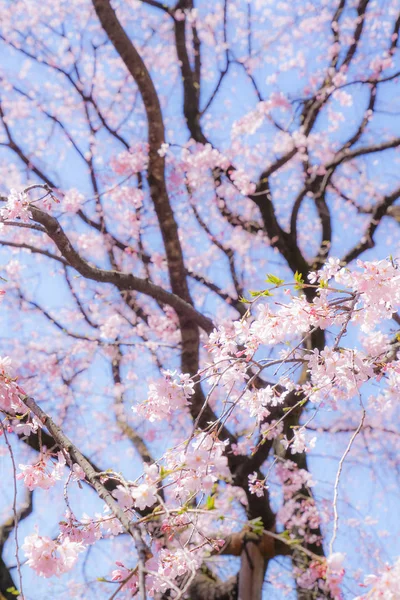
199,371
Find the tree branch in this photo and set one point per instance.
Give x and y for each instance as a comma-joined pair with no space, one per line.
367,240
122,281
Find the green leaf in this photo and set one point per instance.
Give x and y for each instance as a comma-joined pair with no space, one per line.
163,472
300,281
295,542
210,503
257,525
260,293
275,280
298,277
13,590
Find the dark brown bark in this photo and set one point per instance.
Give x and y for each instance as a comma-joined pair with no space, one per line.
7,583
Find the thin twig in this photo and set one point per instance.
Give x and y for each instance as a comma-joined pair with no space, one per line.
336,487
14,508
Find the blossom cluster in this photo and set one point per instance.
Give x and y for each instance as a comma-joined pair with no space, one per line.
197,467
16,207
40,476
45,473
385,585
10,391
327,574
201,158
51,558
167,395
142,495
131,161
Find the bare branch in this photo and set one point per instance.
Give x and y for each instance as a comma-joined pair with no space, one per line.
122,281
367,240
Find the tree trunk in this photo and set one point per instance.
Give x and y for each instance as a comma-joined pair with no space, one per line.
251,574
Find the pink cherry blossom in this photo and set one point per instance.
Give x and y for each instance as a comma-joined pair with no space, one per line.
144,495
166,396
72,200
17,207
49,558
